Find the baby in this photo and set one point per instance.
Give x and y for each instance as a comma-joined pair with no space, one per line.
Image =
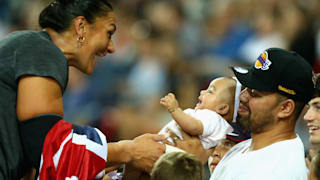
210,118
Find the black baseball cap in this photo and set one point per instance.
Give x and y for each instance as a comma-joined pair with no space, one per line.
279,70
238,134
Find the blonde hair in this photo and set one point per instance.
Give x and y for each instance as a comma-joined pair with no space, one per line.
177,166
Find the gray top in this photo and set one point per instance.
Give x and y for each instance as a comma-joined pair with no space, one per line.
23,53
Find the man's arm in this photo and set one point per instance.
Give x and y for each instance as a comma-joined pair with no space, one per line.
192,145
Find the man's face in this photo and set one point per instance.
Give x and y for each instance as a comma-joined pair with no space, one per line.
312,117
256,110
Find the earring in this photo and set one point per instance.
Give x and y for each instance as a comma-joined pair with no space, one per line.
80,41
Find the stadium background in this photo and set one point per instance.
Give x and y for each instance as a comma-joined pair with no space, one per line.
173,46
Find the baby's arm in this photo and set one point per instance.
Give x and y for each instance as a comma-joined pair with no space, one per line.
187,123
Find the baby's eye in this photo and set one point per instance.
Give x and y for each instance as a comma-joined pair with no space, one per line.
210,91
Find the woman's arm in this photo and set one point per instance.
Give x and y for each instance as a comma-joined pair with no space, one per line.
38,95
142,152
41,95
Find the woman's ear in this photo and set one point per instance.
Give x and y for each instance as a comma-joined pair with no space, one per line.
223,109
286,108
79,24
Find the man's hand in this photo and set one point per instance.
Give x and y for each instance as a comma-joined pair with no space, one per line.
192,145
170,102
145,150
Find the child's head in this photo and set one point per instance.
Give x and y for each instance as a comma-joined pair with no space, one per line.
178,166
219,97
237,135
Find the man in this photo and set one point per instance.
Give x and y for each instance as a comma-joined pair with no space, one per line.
314,173
312,117
277,85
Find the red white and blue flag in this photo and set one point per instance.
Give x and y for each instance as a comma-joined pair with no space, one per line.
73,152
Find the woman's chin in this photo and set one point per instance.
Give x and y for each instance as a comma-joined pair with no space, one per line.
89,70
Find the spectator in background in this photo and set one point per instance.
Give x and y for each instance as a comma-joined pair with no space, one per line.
270,104
311,153
312,117
314,173
177,166
237,135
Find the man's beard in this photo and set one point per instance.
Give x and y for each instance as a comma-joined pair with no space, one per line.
252,126
243,121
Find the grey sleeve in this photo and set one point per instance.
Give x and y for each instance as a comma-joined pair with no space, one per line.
41,58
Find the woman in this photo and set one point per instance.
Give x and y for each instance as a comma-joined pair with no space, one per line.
233,138
33,77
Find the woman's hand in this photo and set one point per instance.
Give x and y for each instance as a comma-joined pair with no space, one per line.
145,150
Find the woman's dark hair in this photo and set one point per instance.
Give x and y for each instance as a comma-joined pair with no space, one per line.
59,14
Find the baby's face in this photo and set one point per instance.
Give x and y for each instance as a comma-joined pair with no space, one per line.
214,95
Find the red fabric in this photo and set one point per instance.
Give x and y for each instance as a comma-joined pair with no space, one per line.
75,161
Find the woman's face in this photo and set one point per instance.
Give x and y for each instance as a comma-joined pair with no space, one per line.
219,152
97,43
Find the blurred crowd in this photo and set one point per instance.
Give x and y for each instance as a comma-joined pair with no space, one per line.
172,46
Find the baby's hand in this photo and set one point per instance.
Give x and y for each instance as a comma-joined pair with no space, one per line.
170,102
